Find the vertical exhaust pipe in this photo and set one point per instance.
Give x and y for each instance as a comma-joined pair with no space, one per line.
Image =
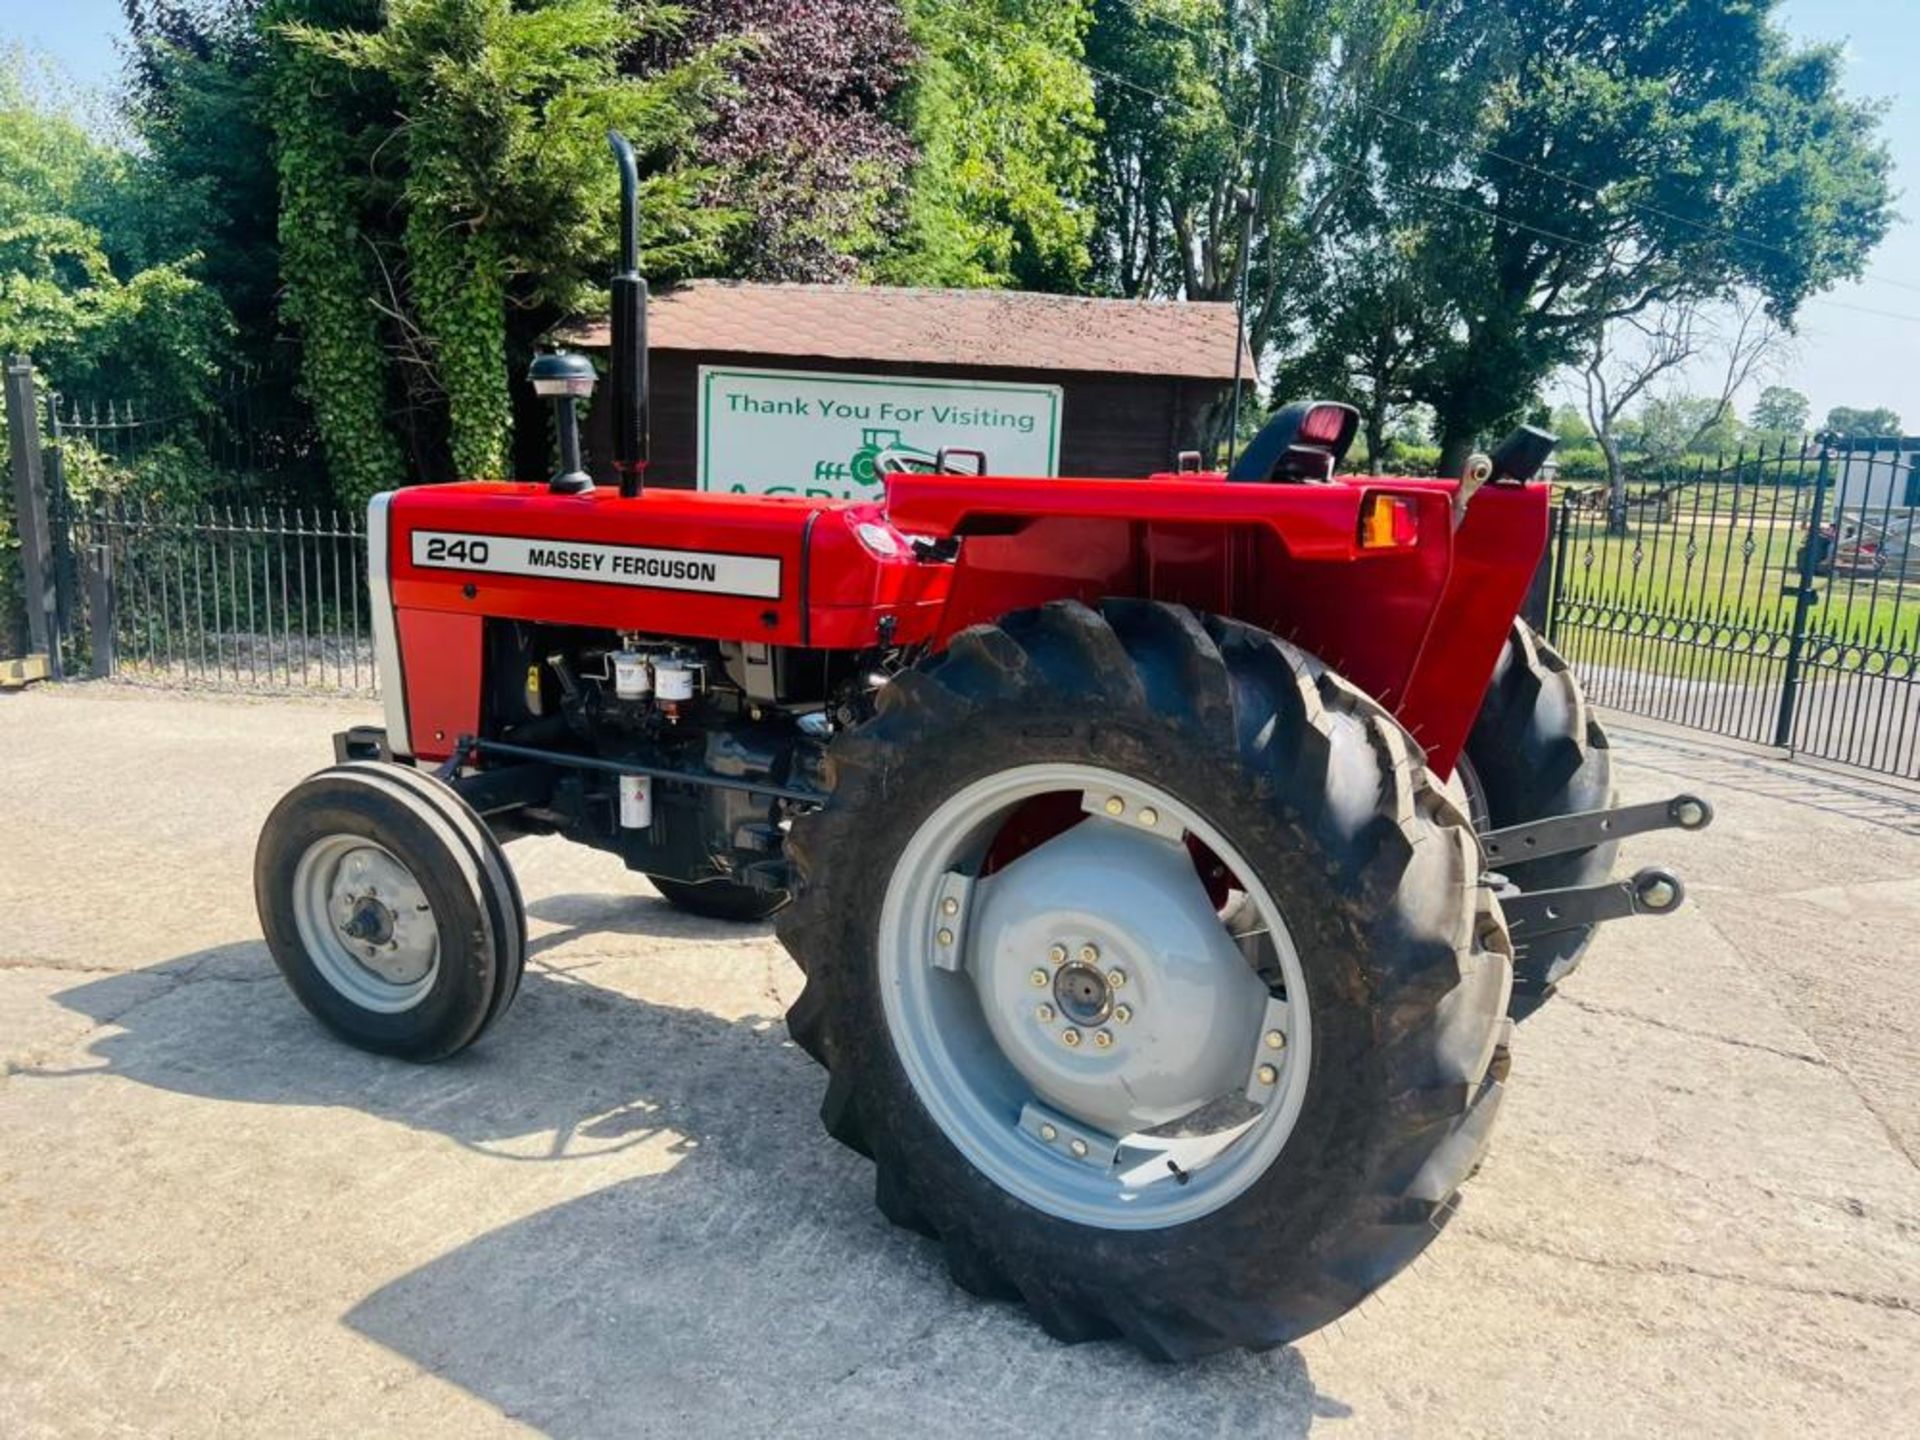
629,318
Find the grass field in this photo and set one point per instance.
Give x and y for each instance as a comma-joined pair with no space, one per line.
1704,596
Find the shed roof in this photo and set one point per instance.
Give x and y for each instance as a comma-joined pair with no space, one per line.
997,329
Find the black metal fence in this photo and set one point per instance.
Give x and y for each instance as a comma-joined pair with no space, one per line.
253,439
1775,598
238,597
134,565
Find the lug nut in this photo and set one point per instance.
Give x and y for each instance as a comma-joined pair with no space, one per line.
1078,1147
1657,896
1275,1040
1268,1075
950,906
1044,1014
945,937
1122,1014
1116,806
1690,814
1039,979
1058,954
1116,978
1103,1039
1089,954
1049,1134
1149,816
1070,1037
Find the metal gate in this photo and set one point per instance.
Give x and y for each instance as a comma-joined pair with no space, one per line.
122,581
1774,598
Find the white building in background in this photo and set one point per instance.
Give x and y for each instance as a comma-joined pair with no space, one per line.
1878,480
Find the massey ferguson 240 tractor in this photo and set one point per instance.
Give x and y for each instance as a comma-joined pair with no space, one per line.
1165,856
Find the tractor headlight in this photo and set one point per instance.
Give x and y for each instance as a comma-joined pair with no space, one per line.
562,376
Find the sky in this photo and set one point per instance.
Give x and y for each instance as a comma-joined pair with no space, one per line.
1858,345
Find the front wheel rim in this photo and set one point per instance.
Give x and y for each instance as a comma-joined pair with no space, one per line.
1093,1032
366,924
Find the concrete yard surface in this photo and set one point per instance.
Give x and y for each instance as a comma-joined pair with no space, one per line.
618,1215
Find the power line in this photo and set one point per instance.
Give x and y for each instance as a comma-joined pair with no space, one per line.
1467,206
1421,126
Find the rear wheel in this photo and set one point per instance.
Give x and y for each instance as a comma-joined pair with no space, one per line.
1151,968
390,910
1537,751
718,899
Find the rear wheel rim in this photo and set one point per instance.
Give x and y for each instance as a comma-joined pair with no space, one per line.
1093,1032
366,924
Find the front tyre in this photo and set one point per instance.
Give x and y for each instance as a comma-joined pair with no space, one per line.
390,910
1152,969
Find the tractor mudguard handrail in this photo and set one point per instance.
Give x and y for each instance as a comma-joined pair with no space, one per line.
1561,834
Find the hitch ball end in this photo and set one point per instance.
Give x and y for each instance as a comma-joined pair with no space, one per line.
1690,812
1657,892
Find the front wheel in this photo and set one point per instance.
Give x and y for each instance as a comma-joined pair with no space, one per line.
1153,971
390,910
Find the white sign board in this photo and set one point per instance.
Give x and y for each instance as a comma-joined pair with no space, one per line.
832,437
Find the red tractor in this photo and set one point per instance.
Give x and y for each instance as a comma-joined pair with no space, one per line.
1165,857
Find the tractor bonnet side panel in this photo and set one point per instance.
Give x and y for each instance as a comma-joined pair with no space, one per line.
665,563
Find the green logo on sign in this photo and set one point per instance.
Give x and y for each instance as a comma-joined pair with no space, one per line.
881,453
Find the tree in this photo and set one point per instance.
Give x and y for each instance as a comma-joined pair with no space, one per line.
1670,429
1570,426
1623,157
1374,332
1863,424
804,138
446,193
1000,109
1207,109
86,285
196,98
1631,355
1781,410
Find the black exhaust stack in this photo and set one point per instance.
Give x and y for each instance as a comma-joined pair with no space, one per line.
629,331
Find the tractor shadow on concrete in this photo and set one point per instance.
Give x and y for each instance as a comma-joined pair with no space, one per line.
750,1288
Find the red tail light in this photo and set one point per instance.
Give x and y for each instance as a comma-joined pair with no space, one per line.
1324,425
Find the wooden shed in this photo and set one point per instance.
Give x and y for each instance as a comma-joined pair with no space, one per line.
812,389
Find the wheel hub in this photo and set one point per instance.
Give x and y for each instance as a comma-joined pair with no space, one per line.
1083,994
366,923
371,923
1129,907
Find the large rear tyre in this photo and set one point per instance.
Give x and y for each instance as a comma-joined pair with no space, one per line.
718,899
1536,751
1152,969
390,910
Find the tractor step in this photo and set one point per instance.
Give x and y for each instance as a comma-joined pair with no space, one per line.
1533,913
1560,834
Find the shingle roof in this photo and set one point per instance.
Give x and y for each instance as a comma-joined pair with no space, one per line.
989,328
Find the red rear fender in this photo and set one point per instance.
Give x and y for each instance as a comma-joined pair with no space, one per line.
1419,627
